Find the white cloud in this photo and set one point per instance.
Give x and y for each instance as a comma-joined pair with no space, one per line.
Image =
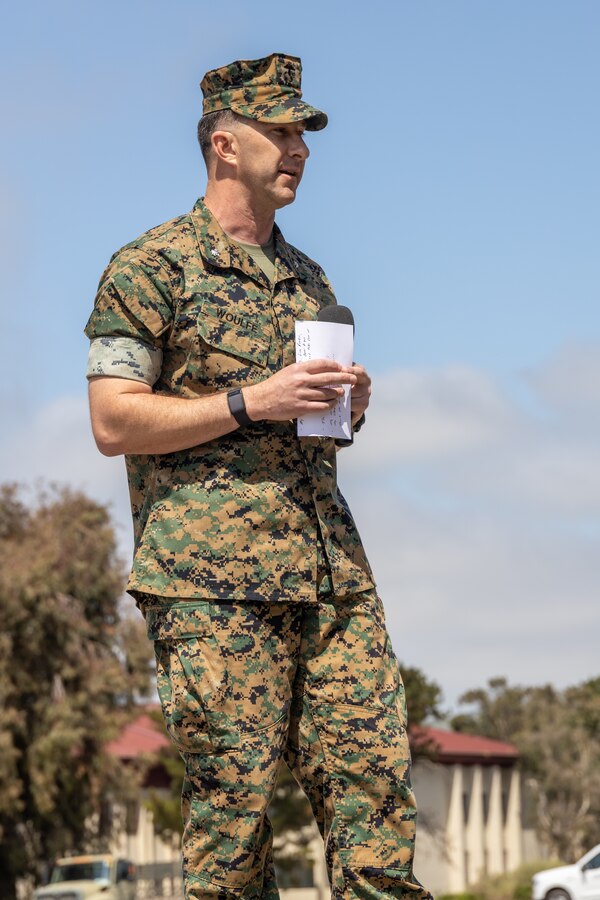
480,513
420,414
470,595
481,517
56,446
569,382
457,433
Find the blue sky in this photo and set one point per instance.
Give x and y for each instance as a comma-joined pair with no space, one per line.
454,201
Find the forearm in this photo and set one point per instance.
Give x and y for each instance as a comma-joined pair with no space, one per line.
136,422
127,417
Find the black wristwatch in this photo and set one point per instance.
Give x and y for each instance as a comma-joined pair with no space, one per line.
237,407
347,442
359,424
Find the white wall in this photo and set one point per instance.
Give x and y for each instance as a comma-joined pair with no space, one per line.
469,824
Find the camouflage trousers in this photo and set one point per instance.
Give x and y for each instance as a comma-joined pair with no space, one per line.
244,686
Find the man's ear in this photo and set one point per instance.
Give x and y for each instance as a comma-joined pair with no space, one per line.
224,146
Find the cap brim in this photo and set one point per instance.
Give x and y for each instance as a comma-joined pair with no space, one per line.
284,111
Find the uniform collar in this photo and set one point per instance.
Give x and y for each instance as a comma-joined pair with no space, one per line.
219,250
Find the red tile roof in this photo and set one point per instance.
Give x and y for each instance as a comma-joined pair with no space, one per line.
145,735
453,747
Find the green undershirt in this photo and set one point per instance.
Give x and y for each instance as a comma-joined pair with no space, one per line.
263,256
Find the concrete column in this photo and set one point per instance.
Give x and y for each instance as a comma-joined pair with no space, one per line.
513,826
475,829
494,827
320,877
455,834
147,836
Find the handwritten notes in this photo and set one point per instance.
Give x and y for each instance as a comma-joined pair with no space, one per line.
326,340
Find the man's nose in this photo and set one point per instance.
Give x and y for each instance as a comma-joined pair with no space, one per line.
299,148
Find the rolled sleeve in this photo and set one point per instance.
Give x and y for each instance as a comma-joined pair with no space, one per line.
124,357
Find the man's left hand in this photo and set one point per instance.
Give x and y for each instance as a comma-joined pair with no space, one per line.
360,393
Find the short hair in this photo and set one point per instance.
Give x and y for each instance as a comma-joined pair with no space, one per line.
208,124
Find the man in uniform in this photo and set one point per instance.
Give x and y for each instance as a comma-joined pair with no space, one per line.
270,638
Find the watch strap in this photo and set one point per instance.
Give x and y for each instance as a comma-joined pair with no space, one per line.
358,424
237,407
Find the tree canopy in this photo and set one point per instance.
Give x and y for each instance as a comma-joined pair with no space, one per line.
558,736
71,667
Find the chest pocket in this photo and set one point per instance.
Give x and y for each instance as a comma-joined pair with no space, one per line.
230,339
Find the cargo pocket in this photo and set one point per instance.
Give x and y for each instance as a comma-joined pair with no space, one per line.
191,676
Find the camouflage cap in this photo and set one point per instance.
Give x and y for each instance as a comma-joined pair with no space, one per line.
266,89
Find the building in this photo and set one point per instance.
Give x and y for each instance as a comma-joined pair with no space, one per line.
470,810
138,840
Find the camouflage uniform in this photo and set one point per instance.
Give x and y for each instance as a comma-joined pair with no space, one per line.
243,685
201,316
270,639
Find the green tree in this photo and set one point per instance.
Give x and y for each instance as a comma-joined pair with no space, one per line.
423,697
166,805
498,711
70,669
292,818
557,734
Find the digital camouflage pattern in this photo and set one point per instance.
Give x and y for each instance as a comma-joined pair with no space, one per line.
243,686
241,517
122,357
267,89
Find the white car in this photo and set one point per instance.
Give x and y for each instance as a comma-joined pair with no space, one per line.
98,877
581,881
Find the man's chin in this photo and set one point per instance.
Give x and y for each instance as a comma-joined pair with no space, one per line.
285,197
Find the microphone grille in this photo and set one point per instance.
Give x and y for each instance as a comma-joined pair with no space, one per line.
335,313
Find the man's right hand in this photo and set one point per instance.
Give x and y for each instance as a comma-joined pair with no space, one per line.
128,417
299,389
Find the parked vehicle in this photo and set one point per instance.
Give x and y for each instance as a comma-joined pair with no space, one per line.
581,881
97,877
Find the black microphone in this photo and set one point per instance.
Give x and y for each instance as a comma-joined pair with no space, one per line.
342,316
334,313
